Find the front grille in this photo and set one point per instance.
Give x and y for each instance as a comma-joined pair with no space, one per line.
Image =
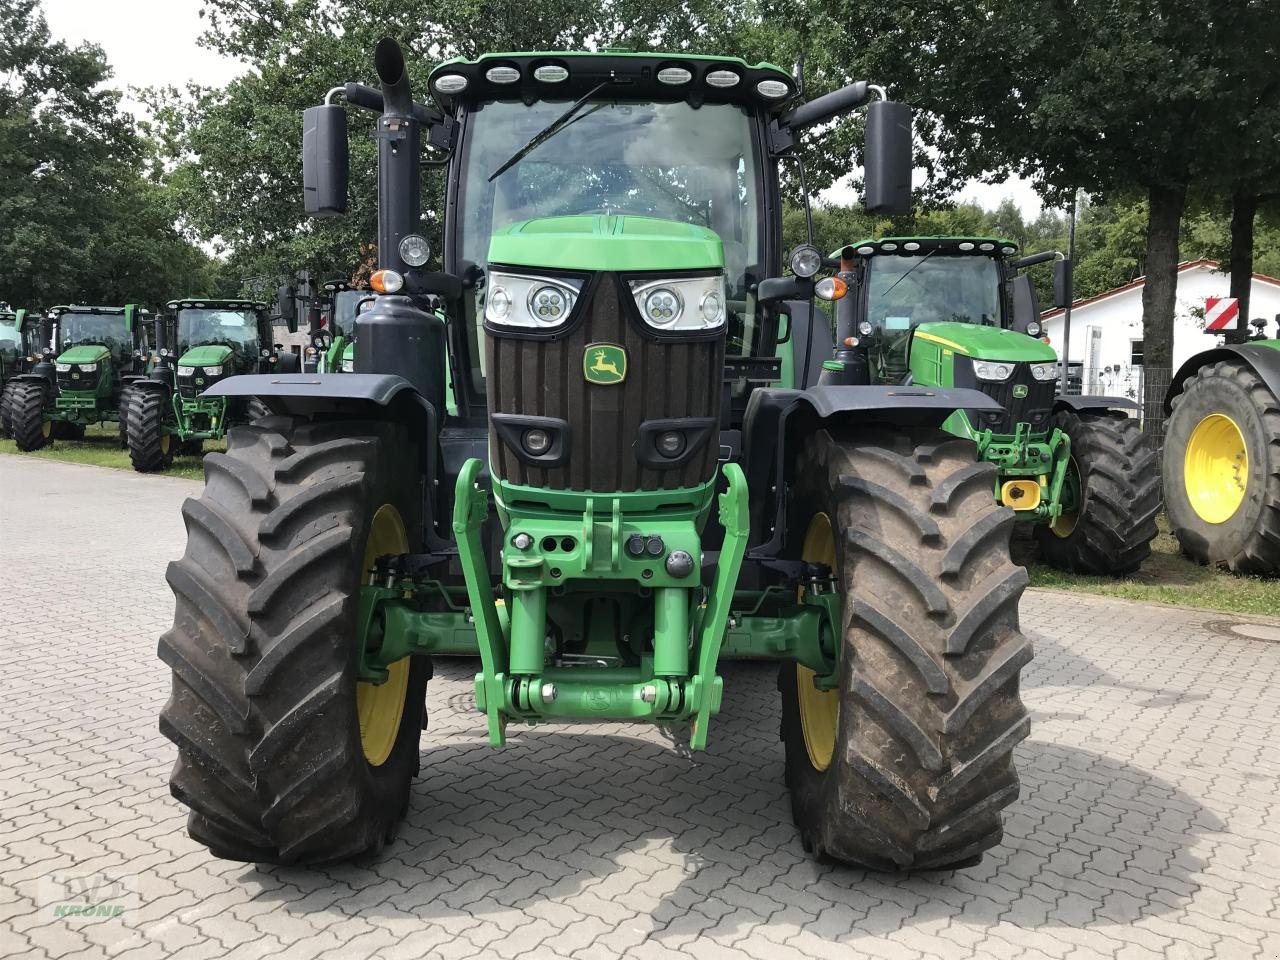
75,380
664,380
187,386
1035,408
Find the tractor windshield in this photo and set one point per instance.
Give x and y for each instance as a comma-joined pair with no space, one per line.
906,291
107,329
664,160
237,329
10,339
345,303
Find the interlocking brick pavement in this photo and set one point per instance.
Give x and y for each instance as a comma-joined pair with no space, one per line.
1147,825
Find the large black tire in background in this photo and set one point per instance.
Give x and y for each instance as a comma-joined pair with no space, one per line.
5,430
1114,470
255,409
909,763
282,756
122,424
143,416
27,403
1222,469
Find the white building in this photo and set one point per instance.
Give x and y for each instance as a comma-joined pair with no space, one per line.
1106,330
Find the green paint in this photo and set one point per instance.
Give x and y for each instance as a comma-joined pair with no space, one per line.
205,355
84,353
986,343
606,242
604,363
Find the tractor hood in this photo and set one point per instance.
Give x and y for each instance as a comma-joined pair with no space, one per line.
207,355
987,343
607,242
84,353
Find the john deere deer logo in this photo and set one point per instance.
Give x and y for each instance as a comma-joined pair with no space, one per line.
604,363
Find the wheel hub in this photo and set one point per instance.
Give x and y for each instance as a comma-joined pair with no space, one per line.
380,707
819,709
1216,468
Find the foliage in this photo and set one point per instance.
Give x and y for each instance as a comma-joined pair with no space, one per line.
85,218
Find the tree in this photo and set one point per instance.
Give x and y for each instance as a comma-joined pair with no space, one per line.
84,220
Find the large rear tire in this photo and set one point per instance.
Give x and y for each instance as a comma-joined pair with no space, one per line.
150,447
27,403
6,431
283,756
1222,469
907,764
1115,476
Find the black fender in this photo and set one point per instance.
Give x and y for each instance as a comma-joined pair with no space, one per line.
383,396
1089,404
777,421
1264,361
33,377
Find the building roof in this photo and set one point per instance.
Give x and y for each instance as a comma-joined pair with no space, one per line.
1183,267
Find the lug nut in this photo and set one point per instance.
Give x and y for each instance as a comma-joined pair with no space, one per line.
549,693
522,541
635,545
655,546
649,693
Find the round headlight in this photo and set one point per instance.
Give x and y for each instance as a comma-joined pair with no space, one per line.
451,83
348,366
536,441
548,304
674,76
662,307
551,73
1044,371
502,74
414,250
806,260
498,303
712,308
865,328
266,352
1033,328
670,444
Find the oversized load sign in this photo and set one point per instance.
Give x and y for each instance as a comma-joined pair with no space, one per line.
1220,312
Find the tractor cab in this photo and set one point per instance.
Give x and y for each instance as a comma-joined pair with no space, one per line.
97,348
212,339
14,338
331,337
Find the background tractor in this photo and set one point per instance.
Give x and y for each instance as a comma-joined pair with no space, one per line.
1222,454
618,473
199,343
959,312
97,352
19,343
331,346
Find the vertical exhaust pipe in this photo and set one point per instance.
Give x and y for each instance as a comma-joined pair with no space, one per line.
399,148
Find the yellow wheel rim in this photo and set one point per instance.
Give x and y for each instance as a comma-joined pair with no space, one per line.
46,429
164,443
1064,524
819,709
380,706
1215,470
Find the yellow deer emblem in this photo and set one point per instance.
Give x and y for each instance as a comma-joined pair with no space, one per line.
604,363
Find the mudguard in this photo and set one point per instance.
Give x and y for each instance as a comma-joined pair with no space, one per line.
777,421
1263,358
1085,404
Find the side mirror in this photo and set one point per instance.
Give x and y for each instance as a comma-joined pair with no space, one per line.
1026,306
324,160
888,153
1062,282
287,307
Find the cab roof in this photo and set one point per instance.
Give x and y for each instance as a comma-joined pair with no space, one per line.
992,246
81,308
643,76
197,302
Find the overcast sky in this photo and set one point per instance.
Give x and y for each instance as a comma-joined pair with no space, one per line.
153,43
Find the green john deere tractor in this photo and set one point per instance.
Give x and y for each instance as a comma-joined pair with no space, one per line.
19,343
960,312
621,500
332,343
200,343
98,353
1222,453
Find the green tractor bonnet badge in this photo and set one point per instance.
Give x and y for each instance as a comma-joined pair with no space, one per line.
604,363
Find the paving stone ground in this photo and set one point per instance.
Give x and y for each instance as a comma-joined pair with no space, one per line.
1147,825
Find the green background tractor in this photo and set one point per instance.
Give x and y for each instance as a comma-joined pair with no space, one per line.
617,498
1222,454
99,351
19,343
331,346
201,342
959,312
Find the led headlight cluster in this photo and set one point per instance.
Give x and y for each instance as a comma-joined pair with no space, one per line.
1044,371
992,370
186,371
515,300
348,366
87,367
213,371
689,303
62,367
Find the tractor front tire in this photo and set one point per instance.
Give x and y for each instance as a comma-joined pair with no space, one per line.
255,409
1116,477
908,763
6,395
283,756
1222,469
27,403
150,448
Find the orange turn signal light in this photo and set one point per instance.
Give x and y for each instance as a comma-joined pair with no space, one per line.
831,288
386,281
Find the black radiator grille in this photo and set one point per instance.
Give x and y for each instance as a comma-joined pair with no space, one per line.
1034,408
544,378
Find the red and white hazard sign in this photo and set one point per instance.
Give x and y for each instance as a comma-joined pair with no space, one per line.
1220,312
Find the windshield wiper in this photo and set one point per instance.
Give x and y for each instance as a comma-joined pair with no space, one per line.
547,132
908,273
